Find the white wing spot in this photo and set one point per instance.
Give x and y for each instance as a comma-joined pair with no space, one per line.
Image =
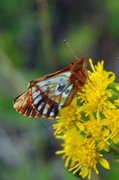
42,83
67,91
59,89
45,110
44,88
33,89
66,74
40,106
37,100
52,114
61,79
35,94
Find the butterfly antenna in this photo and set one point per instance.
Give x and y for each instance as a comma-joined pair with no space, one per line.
69,46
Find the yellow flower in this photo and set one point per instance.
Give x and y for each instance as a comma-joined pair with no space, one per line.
81,154
95,94
90,124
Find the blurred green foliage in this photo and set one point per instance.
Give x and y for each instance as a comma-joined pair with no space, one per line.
31,44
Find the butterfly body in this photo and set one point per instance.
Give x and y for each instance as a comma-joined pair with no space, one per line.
47,95
79,73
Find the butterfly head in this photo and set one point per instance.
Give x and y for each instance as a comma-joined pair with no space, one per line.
79,72
82,63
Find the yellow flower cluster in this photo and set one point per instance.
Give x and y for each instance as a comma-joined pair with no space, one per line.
89,126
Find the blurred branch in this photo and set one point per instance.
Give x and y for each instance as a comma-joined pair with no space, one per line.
46,35
8,71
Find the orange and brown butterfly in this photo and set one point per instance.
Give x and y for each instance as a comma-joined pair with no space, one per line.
45,96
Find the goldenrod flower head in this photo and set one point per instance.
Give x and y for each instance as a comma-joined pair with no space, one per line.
95,93
90,124
81,154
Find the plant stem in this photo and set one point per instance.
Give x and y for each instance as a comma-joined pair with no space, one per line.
46,35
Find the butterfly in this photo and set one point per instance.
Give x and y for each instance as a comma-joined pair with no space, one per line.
45,96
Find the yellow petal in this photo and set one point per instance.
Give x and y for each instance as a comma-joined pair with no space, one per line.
91,64
104,163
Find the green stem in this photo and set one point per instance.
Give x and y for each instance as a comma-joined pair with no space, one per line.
49,60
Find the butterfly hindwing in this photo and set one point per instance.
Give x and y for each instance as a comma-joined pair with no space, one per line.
47,95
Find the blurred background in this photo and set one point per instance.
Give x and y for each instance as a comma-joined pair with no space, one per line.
31,45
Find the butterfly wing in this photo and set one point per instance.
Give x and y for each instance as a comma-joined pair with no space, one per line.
46,96
23,104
